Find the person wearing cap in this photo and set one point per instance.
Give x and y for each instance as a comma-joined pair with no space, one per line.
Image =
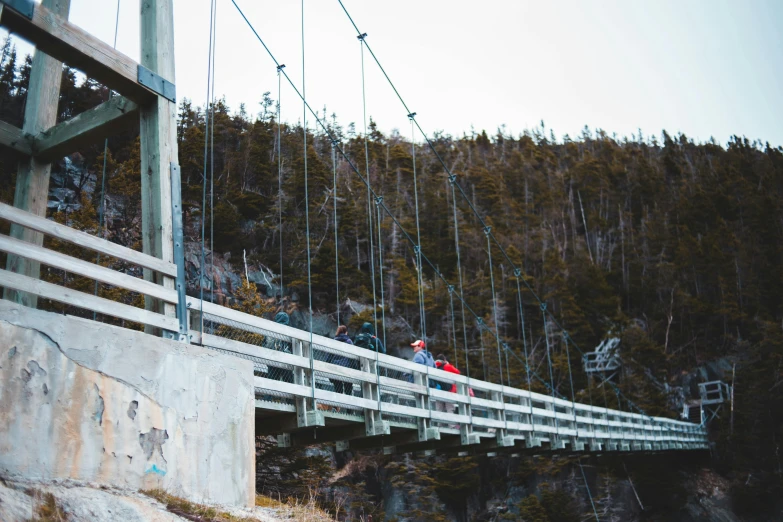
422,356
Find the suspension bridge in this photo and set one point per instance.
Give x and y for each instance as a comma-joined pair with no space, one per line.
307,389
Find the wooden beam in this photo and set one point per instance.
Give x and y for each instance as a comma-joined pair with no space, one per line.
36,287
158,134
51,33
32,177
82,239
15,139
84,268
109,118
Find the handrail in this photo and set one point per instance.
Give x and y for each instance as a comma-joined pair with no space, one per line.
77,237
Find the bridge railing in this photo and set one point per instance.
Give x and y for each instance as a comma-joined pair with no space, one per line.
351,383
57,290
317,377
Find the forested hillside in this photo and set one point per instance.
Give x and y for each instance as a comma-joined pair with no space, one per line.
674,246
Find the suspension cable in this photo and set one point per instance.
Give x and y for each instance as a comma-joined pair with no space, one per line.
102,202
361,38
362,178
204,175
487,231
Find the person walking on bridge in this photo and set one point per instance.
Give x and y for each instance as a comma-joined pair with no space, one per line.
367,339
422,356
342,386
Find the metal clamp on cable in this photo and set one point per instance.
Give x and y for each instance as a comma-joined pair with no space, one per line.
487,230
362,36
412,116
517,272
452,178
543,307
451,289
416,249
378,200
280,67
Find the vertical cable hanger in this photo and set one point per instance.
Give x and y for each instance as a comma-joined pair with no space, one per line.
212,170
204,175
452,179
378,202
336,244
419,267
370,227
307,213
102,203
280,172
487,231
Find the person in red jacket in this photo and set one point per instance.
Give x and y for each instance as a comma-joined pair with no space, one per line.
443,364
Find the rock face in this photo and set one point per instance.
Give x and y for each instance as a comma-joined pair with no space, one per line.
88,401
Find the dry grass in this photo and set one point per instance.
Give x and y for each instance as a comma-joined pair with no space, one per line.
46,508
295,509
191,510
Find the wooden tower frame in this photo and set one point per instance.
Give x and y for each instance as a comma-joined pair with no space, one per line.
146,91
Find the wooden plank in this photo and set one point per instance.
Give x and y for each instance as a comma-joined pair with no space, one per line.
399,409
484,403
53,34
449,417
61,294
107,119
32,176
158,136
84,268
341,398
297,390
448,396
489,423
403,385
77,237
15,139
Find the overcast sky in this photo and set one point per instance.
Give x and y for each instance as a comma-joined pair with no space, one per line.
701,67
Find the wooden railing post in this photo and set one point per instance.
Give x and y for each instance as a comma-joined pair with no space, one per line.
32,178
373,420
307,413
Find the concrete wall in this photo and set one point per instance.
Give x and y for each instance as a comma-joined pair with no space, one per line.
83,400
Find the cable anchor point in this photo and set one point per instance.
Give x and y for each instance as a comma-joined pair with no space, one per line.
543,307
452,178
280,67
362,36
378,200
487,230
517,272
451,289
412,116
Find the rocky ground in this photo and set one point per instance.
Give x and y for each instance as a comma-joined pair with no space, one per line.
70,501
